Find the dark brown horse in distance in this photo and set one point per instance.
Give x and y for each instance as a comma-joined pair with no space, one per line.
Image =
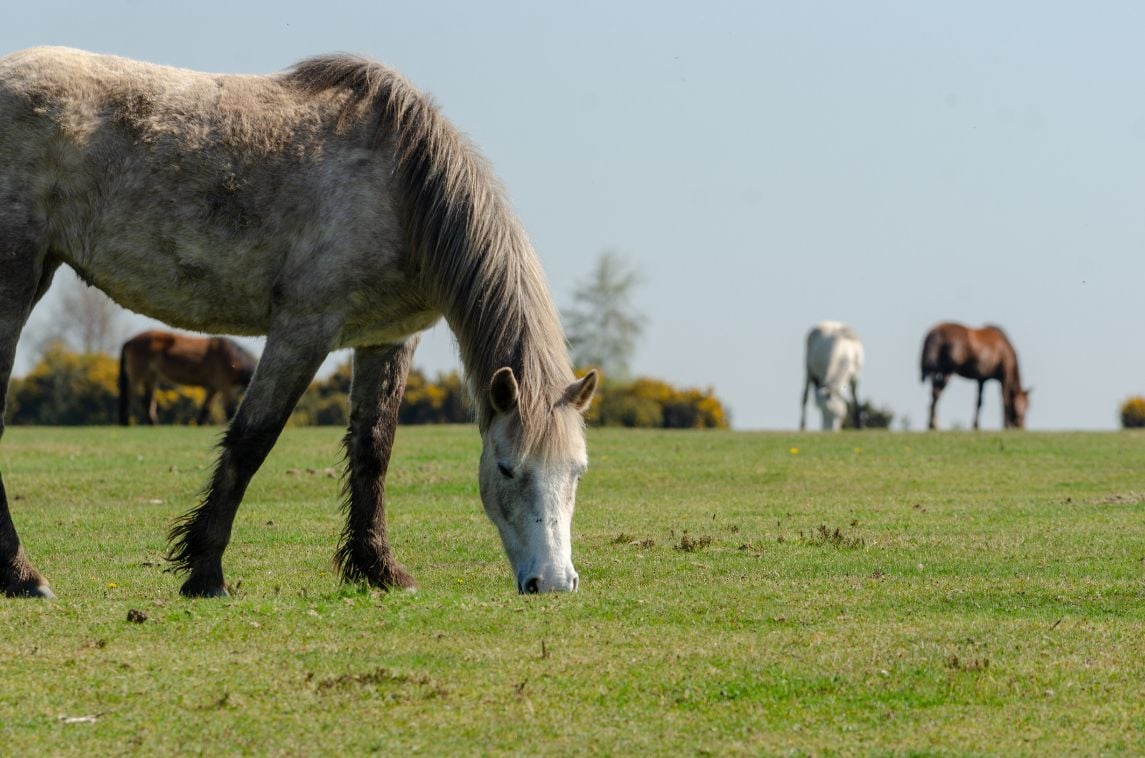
979,354
219,365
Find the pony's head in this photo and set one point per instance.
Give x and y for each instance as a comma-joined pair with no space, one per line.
832,405
529,488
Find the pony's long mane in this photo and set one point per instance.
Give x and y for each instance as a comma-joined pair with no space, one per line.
465,246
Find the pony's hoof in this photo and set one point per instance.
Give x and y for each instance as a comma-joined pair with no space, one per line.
398,579
390,580
194,588
36,589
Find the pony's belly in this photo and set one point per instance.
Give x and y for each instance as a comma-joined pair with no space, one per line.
387,332
219,298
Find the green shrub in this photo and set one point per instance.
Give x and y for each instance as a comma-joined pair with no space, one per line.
1133,413
871,417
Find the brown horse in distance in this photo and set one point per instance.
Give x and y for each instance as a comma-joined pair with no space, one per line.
218,364
979,354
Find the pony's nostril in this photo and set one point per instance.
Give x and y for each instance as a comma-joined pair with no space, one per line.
533,586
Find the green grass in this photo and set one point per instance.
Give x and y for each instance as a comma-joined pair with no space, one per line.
871,592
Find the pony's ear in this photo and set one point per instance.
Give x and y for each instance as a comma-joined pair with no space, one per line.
503,390
580,392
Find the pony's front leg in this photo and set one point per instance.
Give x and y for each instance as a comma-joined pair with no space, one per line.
24,278
803,406
198,539
856,409
375,395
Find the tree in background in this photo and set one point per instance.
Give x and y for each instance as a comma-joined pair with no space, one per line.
83,319
602,326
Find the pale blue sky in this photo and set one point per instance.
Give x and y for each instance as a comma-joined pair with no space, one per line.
768,165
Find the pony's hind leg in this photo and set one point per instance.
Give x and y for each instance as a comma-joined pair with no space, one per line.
937,384
375,394
24,278
150,402
230,401
205,411
198,539
978,405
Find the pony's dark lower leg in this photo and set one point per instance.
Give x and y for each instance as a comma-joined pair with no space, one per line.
230,403
857,414
197,540
17,576
937,384
150,404
205,411
24,278
978,406
375,395
803,407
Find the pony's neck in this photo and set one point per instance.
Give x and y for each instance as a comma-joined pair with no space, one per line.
1012,379
472,259
512,323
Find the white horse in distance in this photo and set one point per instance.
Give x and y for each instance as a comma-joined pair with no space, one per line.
834,361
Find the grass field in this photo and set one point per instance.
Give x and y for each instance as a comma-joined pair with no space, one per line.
755,593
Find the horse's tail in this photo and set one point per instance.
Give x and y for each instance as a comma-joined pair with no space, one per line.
124,388
931,347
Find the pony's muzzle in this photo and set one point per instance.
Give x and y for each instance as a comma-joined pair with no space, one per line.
565,581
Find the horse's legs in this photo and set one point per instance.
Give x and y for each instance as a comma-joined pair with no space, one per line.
978,406
197,541
150,403
803,407
231,401
375,394
858,416
1007,406
205,411
937,384
24,278
126,387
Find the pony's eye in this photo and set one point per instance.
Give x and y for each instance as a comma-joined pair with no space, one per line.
505,470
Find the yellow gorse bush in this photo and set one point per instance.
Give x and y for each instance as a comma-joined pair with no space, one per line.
647,402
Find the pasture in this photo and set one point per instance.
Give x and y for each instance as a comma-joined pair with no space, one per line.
740,592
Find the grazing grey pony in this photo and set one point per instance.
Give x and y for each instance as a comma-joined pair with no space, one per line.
833,363
329,206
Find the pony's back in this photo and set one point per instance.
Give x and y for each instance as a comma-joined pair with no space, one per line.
834,353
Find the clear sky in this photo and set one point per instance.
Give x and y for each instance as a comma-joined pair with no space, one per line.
768,165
